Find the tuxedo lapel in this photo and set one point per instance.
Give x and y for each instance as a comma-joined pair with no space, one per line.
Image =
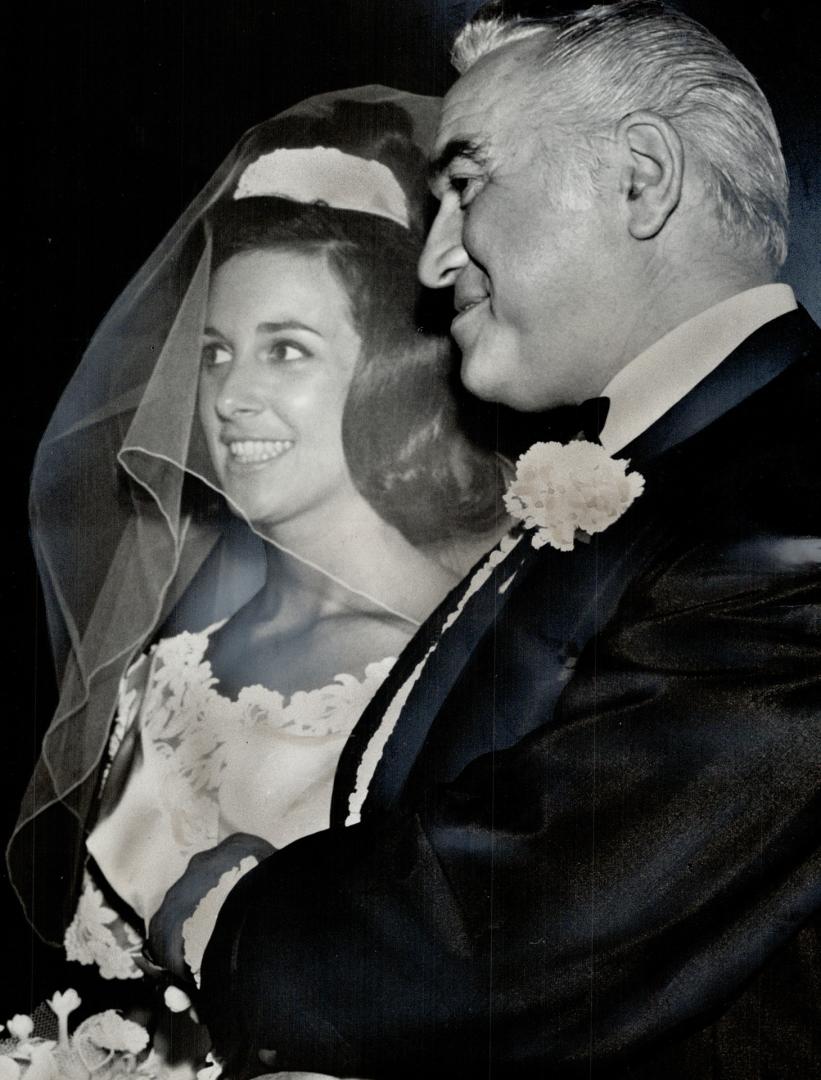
442,669
436,679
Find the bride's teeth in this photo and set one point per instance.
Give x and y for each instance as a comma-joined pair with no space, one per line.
251,451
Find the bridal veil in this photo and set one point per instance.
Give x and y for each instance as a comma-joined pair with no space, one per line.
125,508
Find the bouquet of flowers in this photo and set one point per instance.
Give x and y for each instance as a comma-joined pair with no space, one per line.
105,1046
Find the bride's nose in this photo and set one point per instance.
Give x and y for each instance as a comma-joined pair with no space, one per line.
241,392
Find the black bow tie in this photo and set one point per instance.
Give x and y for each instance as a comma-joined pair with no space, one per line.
562,424
517,431
591,416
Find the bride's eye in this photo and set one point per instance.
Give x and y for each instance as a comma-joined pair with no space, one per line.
213,353
283,351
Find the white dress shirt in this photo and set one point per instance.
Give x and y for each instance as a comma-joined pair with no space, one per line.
649,386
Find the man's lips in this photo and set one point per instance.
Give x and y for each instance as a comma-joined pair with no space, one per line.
464,309
465,301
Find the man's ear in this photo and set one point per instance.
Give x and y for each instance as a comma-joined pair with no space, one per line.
652,173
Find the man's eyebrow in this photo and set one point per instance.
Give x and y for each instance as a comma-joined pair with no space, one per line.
456,148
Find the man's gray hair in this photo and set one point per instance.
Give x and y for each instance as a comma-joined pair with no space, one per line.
615,59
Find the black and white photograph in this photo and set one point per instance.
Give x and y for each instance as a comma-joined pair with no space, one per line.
413,543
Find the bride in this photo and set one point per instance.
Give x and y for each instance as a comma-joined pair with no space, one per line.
272,362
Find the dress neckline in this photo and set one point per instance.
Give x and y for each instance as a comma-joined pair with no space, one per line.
179,661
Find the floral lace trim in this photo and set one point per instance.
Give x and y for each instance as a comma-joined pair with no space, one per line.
182,684
193,726
173,691
97,935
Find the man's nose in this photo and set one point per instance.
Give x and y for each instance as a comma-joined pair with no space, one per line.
443,255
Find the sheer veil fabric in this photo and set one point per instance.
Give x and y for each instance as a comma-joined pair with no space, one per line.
125,511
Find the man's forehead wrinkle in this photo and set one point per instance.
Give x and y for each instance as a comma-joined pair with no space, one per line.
482,87
462,133
494,115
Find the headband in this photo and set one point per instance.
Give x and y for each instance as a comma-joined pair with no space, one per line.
321,174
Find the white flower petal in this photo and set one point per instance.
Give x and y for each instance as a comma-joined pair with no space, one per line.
9,1069
560,490
20,1026
110,1031
176,1000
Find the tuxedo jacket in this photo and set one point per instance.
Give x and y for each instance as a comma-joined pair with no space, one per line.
592,846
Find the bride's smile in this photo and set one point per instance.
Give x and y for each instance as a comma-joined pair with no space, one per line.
258,451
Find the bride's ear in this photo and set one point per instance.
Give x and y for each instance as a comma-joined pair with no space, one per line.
652,171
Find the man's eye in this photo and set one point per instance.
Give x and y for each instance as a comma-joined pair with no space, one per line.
214,354
465,187
283,351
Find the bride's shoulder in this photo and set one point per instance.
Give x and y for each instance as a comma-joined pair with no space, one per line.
187,646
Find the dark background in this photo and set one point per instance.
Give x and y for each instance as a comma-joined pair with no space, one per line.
117,112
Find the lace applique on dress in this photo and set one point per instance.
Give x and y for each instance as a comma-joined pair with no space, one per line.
197,730
205,766
97,935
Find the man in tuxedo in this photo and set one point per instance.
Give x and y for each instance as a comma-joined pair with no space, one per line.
582,815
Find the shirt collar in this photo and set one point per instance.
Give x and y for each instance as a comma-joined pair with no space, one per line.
647,387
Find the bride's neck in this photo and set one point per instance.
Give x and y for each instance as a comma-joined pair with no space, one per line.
353,552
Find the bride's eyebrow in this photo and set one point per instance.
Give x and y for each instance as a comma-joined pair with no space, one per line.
266,328
286,324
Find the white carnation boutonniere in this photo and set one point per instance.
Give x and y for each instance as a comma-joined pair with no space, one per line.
563,490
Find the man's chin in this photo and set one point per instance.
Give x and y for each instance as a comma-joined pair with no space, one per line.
515,385
485,381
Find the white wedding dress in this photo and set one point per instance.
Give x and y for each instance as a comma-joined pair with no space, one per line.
188,767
